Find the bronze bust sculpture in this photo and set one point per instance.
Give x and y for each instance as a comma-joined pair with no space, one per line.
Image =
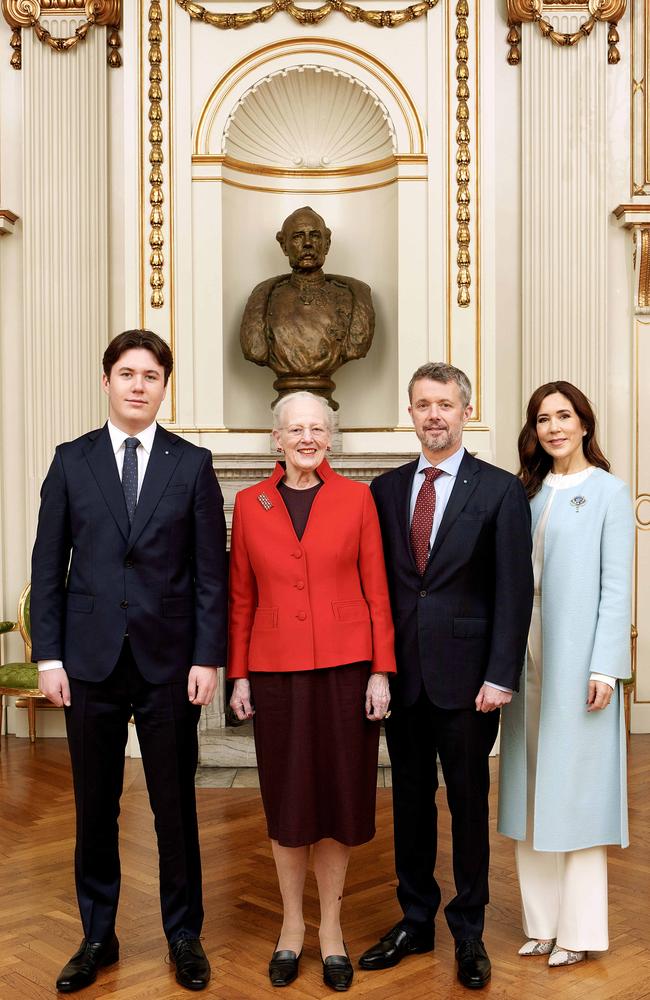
306,324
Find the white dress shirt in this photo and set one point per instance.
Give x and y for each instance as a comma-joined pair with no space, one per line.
143,451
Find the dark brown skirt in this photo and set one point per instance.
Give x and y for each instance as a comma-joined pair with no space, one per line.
316,754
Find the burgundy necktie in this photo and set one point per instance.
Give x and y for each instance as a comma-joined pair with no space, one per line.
425,508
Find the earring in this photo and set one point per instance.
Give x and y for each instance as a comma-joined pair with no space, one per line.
280,451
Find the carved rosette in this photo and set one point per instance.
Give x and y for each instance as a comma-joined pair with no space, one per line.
463,258
27,14
156,197
519,11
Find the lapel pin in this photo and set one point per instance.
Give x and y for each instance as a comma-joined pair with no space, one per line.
264,500
166,453
577,503
465,481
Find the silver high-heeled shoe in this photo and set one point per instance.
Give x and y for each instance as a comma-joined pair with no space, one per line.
536,947
562,956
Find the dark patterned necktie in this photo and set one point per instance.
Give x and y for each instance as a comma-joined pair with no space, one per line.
422,523
130,476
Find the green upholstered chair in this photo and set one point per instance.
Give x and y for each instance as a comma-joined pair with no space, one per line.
20,680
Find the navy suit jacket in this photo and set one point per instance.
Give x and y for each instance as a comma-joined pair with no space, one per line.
162,581
466,619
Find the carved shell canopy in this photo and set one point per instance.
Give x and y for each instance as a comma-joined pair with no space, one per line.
309,117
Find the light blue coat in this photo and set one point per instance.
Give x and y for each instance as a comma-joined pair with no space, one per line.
581,783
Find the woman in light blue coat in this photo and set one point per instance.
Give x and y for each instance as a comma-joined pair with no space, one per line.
563,758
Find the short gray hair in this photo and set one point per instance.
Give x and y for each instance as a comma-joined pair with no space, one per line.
438,371
283,402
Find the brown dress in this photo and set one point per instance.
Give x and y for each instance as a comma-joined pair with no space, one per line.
316,751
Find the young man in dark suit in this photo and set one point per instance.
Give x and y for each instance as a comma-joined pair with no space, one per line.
129,618
457,543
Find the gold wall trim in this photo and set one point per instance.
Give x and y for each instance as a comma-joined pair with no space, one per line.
261,169
313,45
267,430
21,14
308,15
270,190
463,259
532,11
643,290
156,157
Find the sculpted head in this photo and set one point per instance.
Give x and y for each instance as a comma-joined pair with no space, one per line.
305,239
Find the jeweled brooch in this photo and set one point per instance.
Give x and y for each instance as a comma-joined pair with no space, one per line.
578,502
266,503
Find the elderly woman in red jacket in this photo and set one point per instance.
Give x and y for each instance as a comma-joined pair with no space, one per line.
311,647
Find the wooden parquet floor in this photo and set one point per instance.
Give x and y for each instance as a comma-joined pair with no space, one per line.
39,927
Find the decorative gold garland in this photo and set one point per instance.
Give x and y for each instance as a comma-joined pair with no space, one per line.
306,15
531,10
27,14
463,258
156,196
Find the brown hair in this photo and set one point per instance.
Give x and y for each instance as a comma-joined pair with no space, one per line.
138,338
438,371
534,461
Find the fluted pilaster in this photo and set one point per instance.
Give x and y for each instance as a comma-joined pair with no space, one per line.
65,218
564,212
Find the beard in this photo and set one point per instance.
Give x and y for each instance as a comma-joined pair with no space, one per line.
440,439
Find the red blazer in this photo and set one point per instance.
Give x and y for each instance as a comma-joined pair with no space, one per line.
318,602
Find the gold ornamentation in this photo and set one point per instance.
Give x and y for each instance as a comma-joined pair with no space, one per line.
610,11
306,15
27,14
156,197
463,156
643,288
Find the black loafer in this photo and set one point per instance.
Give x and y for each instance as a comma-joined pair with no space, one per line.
474,969
192,966
337,971
82,968
394,946
283,967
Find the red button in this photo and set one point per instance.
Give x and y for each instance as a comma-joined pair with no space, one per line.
297,554
301,616
300,585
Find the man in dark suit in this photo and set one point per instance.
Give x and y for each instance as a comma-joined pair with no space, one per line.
457,543
129,618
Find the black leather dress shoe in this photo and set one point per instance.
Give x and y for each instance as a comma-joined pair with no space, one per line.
82,968
337,971
192,966
474,969
283,967
394,946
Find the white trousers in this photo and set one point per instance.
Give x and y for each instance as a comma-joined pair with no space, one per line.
563,894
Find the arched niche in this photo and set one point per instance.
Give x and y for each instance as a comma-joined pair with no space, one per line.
319,134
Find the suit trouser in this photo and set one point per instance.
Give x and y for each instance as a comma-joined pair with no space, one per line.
462,739
563,894
166,724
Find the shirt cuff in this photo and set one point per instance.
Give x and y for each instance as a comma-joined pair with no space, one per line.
50,665
498,687
604,678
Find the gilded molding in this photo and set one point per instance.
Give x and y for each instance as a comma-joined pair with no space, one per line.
7,221
463,156
610,11
642,250
308,15
21,14
156,197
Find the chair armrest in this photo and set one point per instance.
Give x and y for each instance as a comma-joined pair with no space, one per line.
8,627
